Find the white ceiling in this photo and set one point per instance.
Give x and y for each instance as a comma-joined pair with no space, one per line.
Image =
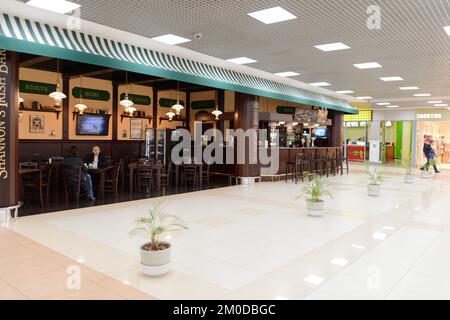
411,43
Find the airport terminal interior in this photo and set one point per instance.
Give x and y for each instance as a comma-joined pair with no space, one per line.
224,150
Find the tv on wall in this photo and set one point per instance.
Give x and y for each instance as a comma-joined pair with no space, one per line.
321,132
92,125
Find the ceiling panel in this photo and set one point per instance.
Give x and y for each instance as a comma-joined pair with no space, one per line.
411,42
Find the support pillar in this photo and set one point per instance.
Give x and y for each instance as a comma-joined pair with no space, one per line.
246,116
9,131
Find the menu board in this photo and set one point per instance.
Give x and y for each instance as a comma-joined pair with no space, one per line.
306,116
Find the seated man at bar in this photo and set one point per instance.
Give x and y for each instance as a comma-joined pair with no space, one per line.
86,180
97,159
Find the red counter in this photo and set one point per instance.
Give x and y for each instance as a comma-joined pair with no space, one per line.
355,153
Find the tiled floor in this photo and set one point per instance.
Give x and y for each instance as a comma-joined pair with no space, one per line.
258,242
31,271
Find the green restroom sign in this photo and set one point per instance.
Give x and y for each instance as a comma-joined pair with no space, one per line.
91,94
137,99
36,87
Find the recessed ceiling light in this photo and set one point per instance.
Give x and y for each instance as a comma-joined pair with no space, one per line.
287,74
171,39
272,15
379,236
383,103
242,60
422,95
437,101
315,280
365,98
339,261
332,46
320,84
391,79
447,29
441,105
392,106
369,65
389,228
345,91
357,246
59,6
409,88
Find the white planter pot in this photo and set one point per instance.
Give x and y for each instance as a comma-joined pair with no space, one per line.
409,178
374,190
315,208
156,263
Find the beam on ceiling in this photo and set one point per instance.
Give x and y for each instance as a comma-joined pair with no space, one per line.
33,61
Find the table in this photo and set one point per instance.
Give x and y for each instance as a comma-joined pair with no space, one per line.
101,183
23,171
156,166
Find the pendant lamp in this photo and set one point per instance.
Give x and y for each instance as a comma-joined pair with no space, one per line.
57,95
81,107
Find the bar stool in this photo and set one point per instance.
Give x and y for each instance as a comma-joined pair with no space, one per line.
290,169
298,166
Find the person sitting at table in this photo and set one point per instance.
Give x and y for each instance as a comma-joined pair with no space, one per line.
86,180
97,158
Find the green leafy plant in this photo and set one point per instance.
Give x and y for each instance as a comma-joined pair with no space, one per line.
315,190
375,176
156,223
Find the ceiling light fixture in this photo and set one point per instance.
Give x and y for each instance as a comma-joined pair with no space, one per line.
392,107
272,15
126,103
345,91
409,88
320,84
437,101
81,107
170,114
389,79
365,98
383,103
57,95
242,60
368,65
58,6
171,39
178,107
313,279
422,95
447,29
287,74
332,46
339,262
441,105
21,100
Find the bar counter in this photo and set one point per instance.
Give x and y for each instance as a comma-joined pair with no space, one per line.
288,154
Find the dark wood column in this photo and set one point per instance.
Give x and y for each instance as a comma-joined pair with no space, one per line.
246,116
115,106
66,114
188,110
337,135
221,103
155,108
9,128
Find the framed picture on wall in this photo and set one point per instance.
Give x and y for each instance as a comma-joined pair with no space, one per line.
36,124
135,128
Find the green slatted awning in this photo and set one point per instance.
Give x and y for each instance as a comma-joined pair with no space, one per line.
26,35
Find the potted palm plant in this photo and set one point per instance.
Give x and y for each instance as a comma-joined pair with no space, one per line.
313,194
409,175
156,254
375,180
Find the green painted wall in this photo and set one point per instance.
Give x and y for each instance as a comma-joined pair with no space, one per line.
398,139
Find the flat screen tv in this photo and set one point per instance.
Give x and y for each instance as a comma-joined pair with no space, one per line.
321,133
92,125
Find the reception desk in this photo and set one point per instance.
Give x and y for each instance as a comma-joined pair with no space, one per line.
289,154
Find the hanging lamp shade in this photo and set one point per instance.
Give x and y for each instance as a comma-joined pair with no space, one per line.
130,110
57,95
21,100
126,103
81,107
170,114
177,107
217,113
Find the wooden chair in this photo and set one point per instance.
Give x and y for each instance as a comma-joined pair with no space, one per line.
206,175
189,175
166,177
41,183
298,167
340,160
145,177
72,176
112,180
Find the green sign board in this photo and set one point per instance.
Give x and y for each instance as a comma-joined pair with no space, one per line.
91,94
36,87
204,104
285,110
168,103
137,99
